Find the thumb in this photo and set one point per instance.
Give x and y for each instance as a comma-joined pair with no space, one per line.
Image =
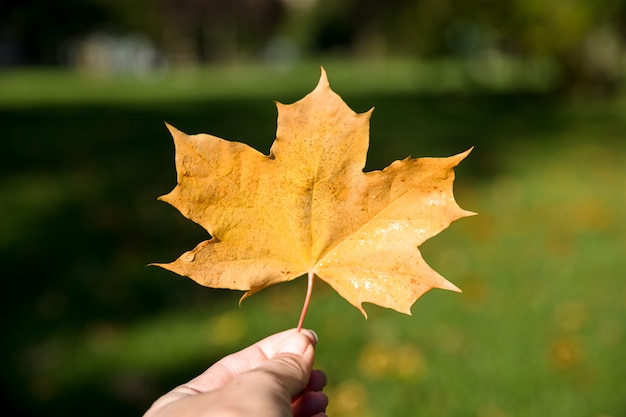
290,365
296,342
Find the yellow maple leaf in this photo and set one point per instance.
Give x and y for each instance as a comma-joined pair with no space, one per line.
308,208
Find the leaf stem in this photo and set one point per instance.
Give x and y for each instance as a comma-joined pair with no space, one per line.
307,299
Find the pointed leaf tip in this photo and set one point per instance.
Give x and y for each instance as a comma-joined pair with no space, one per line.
461,156
173,131
447,285
323,82
362,310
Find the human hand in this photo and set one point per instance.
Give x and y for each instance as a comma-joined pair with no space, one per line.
271,378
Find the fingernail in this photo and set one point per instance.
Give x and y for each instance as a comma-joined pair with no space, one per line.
314,335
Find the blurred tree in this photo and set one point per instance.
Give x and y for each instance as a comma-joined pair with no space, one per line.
133,16
188,30
586,39
37,28
208,30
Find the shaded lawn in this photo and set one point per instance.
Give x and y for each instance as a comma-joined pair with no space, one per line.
538,330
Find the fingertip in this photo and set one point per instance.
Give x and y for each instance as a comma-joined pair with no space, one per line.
317,380
296,343
310,404
311,335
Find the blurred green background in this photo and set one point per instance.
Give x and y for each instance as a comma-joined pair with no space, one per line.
536,87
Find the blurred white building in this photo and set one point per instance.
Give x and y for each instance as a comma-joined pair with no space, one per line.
108,54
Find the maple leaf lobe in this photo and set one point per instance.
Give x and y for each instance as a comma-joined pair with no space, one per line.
309,207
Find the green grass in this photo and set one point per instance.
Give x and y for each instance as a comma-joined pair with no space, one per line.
538,330
247,80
